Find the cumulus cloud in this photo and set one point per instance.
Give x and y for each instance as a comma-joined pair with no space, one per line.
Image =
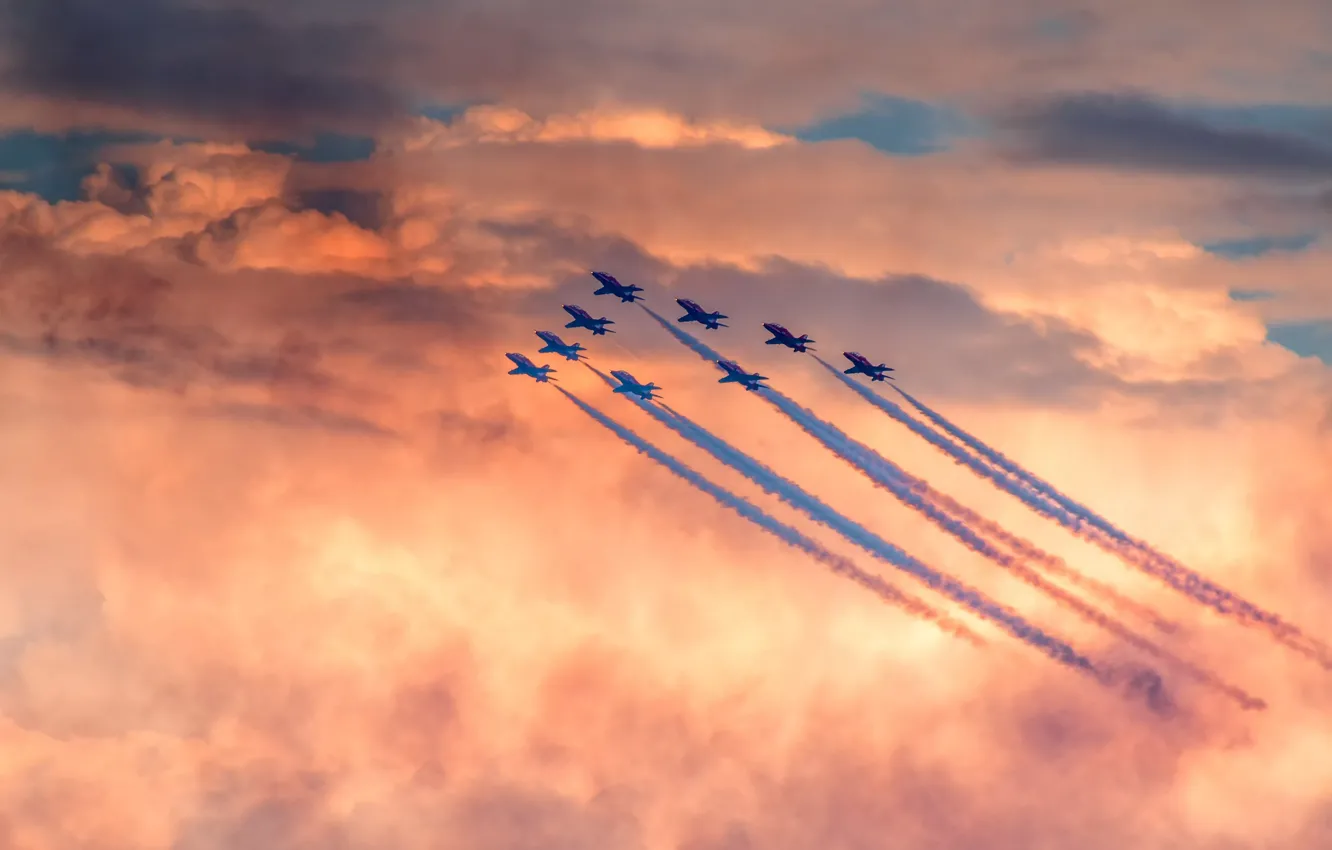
301,633
287,560
525,214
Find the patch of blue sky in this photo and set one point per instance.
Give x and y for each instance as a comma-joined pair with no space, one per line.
444,113
1257,246
894,125
324,147
53,165
1249,295
1307,339
1310,121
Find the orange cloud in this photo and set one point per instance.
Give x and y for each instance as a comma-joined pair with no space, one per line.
649,128
288,560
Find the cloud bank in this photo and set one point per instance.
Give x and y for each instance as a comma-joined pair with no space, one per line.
288,561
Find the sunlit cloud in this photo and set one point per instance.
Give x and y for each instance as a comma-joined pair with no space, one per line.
289,560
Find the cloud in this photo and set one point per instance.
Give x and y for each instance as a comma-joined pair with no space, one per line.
227,67
357,63
288,560
234,612
526,215
1132,131
653,128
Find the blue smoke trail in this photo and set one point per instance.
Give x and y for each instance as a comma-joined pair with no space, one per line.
943,510
829,435
846,448
1132,552
1012,468
839,565
919,495
811,506
684,337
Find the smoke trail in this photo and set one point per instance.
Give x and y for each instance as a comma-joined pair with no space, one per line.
793,495
1105,526
919,495
1132,552
1143,557
1052,564
977,544
824,431
839,565
684,337
916,493
1012,468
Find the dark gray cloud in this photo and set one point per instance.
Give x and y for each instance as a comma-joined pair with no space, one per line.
225,66
778,61
1132,131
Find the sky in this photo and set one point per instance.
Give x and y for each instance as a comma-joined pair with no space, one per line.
290,561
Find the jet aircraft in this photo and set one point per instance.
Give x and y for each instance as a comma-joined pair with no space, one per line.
695,313
781,336
611,286
630,385
862,366
530,369
581,319
736,375
555,345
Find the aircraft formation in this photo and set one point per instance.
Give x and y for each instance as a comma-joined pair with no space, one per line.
1016,555
628,293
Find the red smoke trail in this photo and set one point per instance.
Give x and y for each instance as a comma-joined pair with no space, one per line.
857,455
1090,528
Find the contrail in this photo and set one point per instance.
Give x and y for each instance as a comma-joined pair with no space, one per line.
824,432
936,506
1000,460
1118,543
1017,568
943,510
839,565
811,506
